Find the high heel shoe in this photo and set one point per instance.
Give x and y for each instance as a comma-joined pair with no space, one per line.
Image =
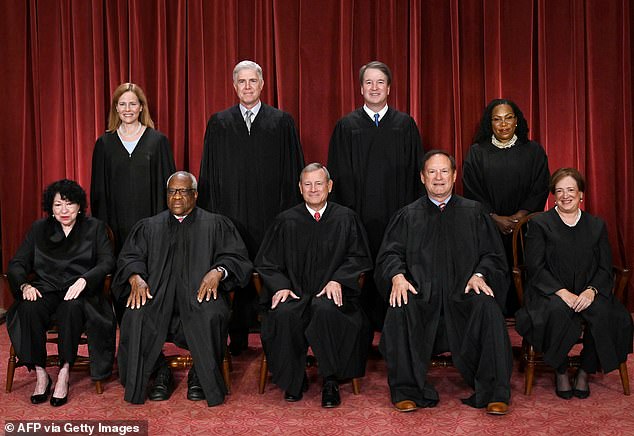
582,395
566,395
41,398
57,402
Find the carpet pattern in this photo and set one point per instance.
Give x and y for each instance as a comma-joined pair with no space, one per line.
606,412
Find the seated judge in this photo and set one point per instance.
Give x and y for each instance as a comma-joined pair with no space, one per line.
310,262
569,266
58,272
443,271
173,273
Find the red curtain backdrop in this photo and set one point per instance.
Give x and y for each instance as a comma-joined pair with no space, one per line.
568,64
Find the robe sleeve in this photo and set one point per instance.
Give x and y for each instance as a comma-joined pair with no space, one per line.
340,166
132,260
603,279
536,199
539,276
166,168
357,260
472,179
232,255
98,183
492,259
22,264
207,179
391,259
270,263
414,187
292,164
104,260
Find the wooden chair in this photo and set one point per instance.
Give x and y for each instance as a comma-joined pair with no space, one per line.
264,367
529,358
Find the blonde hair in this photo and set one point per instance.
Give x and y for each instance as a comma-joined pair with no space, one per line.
144,117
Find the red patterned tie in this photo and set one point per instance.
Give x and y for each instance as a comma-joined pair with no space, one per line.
442,206
317,216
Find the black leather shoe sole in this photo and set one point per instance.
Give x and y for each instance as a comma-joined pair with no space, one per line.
292,398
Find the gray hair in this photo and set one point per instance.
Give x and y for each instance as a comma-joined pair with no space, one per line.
314,167
247,65
186,174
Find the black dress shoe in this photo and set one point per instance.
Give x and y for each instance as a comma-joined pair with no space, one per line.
292,398
194,388
582,395
566,395
163,384
56,402
330,394
41,398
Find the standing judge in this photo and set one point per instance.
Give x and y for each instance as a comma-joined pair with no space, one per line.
442,268
310,262
130,164
172,274
507,173
374,158
249,172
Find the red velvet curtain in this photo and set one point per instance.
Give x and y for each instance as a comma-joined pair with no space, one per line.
568,64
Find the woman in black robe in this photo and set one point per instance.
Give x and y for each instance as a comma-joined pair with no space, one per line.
130,165
569,281
58,271
506,172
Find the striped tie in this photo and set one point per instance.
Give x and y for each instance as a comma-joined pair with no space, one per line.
376,119
247,120
442,206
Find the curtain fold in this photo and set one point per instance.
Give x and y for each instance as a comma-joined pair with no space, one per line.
568,65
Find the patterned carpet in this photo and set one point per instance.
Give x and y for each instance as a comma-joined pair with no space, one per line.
245,412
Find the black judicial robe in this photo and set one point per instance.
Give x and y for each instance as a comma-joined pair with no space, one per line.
57,262
303,255
438,252
573,258
172,258
125,188
505,180
250,178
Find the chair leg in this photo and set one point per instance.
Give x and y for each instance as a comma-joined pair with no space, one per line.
356,388
625,379
10,369
264,373
530,371
99,387
226,374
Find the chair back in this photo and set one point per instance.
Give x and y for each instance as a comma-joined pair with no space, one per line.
519,263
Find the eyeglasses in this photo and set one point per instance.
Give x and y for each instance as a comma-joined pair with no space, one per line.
181,191
506,119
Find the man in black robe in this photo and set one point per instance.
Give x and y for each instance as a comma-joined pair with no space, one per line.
249,173
170,272
374,157
442,268
310,263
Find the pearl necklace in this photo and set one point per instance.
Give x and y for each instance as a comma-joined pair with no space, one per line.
500,144
129,135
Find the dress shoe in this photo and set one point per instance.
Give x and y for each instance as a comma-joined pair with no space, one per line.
581,394
292,398
41,398
194,389
566,395
57,402
405,406
497,408
163,384
330,394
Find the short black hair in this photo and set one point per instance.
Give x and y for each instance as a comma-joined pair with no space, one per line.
377,66
432,153
564,172
69,190
485,131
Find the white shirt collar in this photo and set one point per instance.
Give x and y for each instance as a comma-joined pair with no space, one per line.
321,211
255,109
437,203
371,113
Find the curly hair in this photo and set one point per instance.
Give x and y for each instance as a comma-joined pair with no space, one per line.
69,190
485,131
